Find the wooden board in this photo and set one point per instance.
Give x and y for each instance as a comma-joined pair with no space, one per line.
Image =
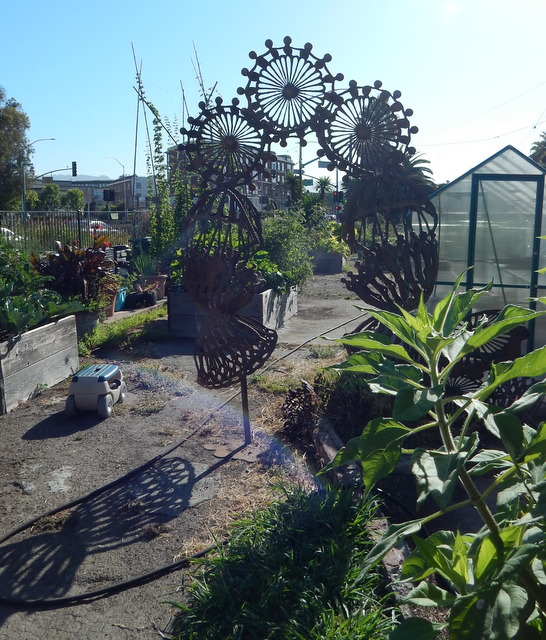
40,357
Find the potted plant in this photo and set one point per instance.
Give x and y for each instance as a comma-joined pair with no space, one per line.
147,268
329,252
85,275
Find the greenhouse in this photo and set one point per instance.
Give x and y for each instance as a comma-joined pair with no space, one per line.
491,219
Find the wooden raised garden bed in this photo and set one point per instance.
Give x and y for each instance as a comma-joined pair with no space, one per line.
36,359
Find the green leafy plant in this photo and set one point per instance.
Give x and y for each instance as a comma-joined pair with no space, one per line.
145,265
25,300
328,239
288,243
82,274
288,572
493,581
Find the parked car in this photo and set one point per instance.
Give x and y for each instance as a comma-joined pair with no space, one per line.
10,235
96,226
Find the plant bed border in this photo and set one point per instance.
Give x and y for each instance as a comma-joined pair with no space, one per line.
43,356
269,308
328,262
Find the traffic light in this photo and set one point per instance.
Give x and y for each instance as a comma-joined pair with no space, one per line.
338,196
108,195
74,169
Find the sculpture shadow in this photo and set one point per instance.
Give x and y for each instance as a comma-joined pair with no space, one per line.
67,553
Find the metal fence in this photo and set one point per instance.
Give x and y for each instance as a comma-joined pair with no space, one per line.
39,230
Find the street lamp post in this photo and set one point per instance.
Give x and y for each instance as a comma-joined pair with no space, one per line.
24,172
124,184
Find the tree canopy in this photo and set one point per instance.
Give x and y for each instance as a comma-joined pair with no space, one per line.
14,149
50,198
538,150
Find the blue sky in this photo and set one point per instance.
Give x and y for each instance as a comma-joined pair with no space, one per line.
473,71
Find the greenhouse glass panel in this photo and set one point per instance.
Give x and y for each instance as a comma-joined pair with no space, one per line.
490,222
505,223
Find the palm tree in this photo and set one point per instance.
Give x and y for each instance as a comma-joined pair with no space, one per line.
323,185
538,150
294,186
380,202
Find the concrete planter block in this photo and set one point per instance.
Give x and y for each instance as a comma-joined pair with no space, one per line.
325,263
269,308
42,356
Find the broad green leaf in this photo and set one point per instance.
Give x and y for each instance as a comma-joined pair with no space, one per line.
467,618
378,450
416,567
393,378
529,398
519,559
511,432
511,491
387,376
537,446
361,362
416,629
427,594
436,473
442,560
396,376
412,404
397,324
510,317
452,310
531,365
379,464
484,412
453,349
460,559
488,460
394,535
495,614
487,560
371,341
503,424
422,314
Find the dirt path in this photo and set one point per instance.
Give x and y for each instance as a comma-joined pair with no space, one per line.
163,513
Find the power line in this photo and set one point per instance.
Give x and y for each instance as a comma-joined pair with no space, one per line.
500,135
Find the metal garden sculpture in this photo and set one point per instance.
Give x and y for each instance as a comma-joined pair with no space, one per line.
364,132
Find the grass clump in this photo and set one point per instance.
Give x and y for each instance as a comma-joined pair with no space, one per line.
137,326
323,352
291,572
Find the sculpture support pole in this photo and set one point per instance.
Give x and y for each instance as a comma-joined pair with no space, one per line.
246,413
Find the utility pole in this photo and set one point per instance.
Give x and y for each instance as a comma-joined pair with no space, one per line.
24,172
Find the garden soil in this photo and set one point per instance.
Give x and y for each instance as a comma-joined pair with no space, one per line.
140,491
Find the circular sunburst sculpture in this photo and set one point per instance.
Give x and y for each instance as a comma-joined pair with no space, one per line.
286,87
225,147
382,206
228,348
222,234
367,132
224,219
